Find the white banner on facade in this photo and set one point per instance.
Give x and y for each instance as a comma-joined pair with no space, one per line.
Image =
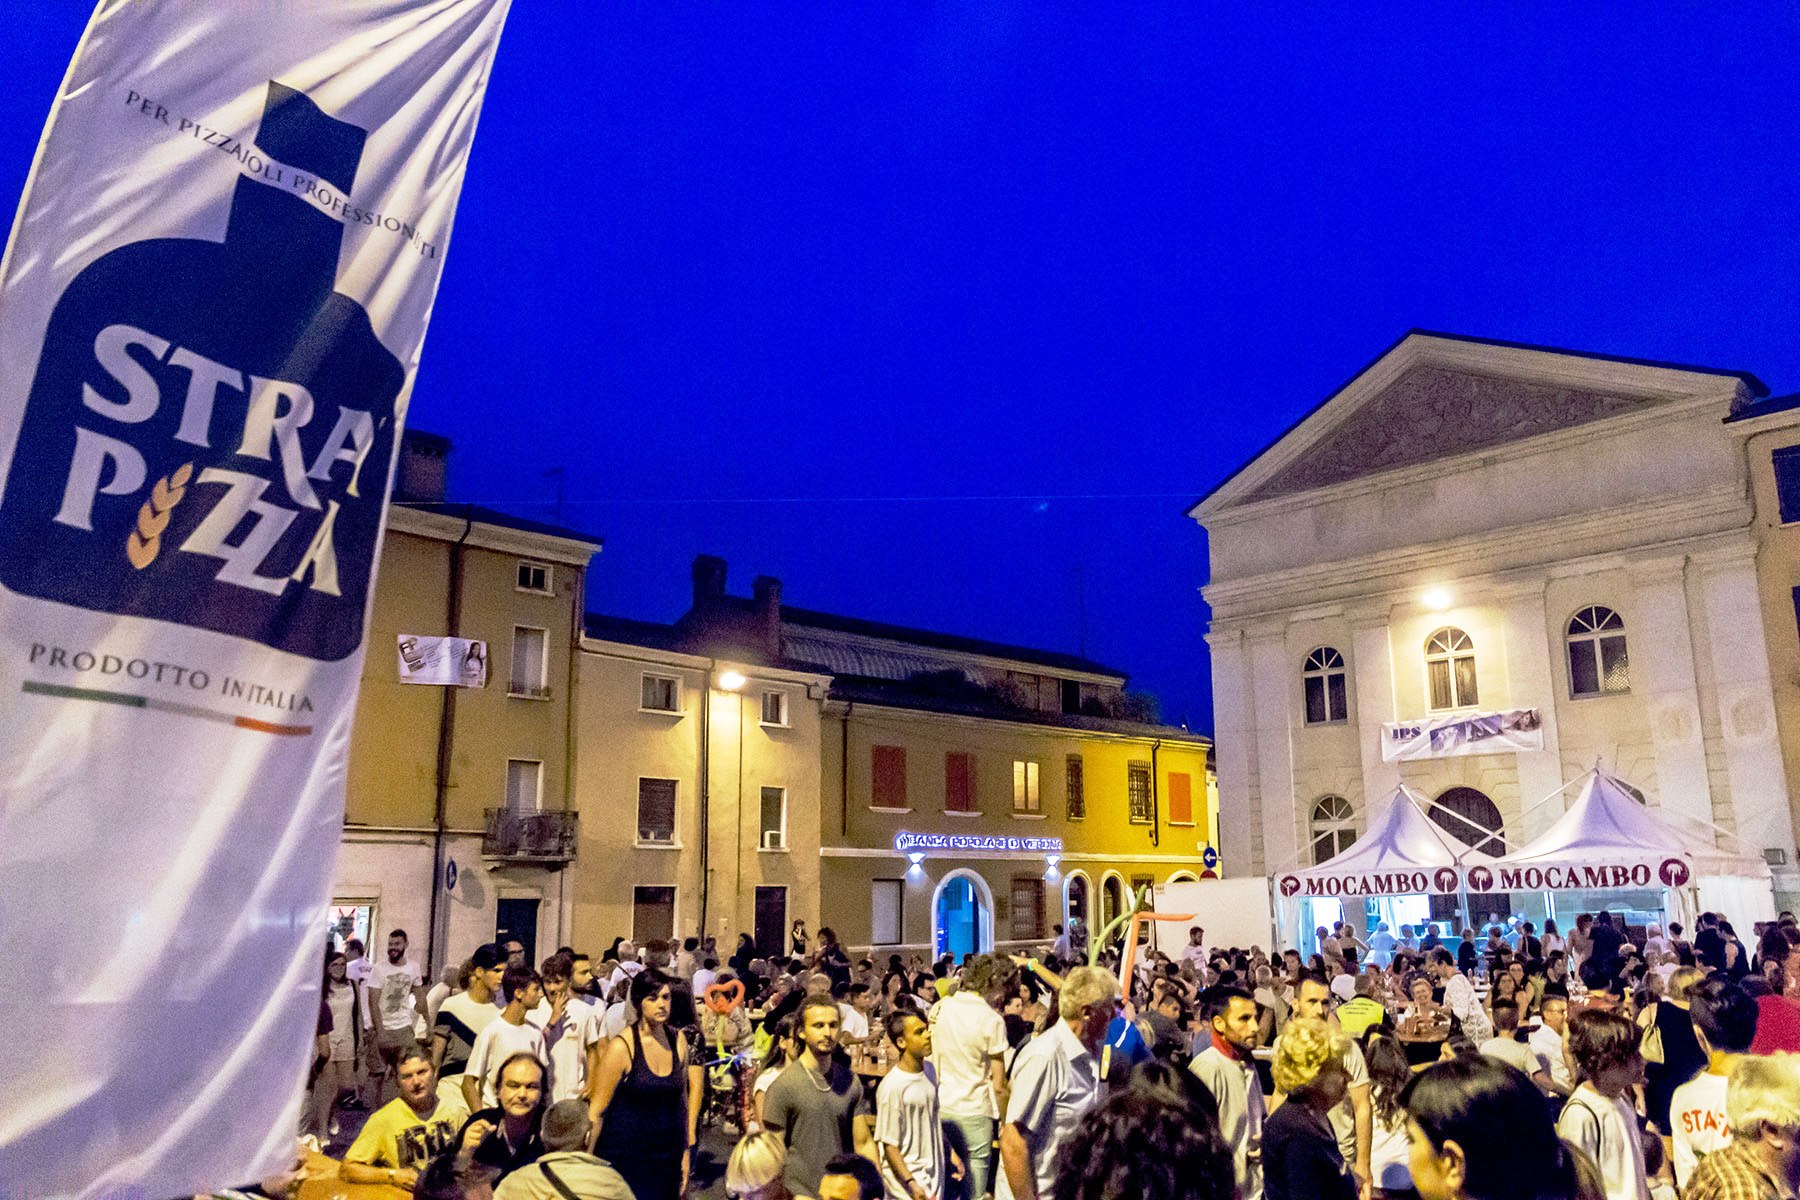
1464,733
457,662
211,308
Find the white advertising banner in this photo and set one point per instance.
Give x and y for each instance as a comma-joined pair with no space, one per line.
1462,733
457,662
212,305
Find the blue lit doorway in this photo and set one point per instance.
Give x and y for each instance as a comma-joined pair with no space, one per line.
962,911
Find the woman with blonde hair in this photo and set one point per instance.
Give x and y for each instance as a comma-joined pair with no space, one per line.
1301,1160
754,1169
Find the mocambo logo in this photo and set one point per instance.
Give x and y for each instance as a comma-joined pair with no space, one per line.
208,434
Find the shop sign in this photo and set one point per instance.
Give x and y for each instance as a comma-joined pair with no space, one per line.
915,843
1671,872
1441,881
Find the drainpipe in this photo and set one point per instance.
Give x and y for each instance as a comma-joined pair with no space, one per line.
844,771
578,627
446,739
1155,799
705,789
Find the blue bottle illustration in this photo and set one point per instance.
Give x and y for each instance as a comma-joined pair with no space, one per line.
209,431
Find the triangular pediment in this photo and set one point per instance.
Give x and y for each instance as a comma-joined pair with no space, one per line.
1433,397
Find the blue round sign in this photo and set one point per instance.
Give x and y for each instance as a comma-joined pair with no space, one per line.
450,875
1210,857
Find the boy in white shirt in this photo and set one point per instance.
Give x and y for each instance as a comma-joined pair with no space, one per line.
571,1030
1599,1118
510,1034
908,1136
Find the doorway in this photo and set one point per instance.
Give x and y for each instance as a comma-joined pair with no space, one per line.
518,919
962,915
771,922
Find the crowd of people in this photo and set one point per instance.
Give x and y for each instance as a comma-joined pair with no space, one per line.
1610,1063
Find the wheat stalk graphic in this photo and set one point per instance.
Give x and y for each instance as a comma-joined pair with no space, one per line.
143,543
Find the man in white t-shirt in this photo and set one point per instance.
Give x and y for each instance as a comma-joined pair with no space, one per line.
512,1034
462,1017
1460,997
909,1139
1724,1018
969,1046
853,1011
1195,951
1509,1050
571,1030
1548,1041
393,999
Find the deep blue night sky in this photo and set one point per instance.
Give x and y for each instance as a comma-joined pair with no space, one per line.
943,314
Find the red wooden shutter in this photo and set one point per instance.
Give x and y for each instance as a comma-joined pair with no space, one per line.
959,782
1181,802
888,767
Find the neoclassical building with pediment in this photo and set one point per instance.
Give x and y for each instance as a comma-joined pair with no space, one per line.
1600,553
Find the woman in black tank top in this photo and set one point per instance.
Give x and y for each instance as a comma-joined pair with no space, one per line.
645,1114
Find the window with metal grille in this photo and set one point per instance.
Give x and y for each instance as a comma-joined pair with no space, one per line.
1027,908
959,782
1025,786
887,772
1323,677
1137,792
656,810
774,818
1450,668
1077,799
1597,660
1333,828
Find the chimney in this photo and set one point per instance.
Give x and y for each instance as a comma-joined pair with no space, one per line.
423,474
767,593
709,580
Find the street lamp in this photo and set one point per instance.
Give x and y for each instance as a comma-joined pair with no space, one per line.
731,681
1437,599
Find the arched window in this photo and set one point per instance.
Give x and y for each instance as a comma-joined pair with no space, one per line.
1323,675
1450,668
1597,653
1471,818
1333,830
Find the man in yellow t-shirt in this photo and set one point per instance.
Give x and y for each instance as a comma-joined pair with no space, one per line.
1362,1010
405,1133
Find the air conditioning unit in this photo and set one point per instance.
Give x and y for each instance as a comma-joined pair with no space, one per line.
774,839
1775,856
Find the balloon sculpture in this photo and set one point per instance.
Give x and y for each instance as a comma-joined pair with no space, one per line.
723,999
1136,912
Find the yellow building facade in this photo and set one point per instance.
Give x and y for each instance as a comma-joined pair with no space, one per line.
457,822
950,832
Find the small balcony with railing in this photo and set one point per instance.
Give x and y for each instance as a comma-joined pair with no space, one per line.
541,838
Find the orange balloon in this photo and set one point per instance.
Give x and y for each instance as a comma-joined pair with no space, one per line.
722,998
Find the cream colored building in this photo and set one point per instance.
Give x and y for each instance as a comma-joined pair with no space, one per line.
1471,527
459,800
700,790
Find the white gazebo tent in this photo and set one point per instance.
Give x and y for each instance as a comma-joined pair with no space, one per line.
1403,853
1608,839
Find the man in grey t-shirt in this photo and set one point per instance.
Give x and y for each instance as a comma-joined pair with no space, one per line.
816,1107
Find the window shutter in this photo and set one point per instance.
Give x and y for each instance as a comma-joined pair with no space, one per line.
888,768
959,782
1181,803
